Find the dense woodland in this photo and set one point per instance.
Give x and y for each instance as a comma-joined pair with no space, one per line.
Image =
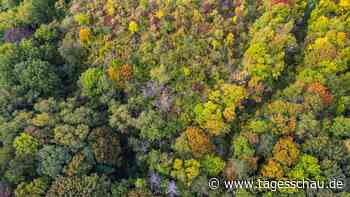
141,98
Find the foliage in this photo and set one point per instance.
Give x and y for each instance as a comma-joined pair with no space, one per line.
242,148
307,167
81,163
185,170
93,82
286,151
220,109
198,141
105,146
272,169
37,187
52,160
20,169
71,136
87,186
340,127
154,98
213,165
25,144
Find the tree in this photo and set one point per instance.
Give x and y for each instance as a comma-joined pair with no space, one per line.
26,144
152,127
94,82
286,151
52,160
81,163
84,186
282,115
265,145
341,127
266,57
185,170
74,114
84,34
119,73
210,116
258,126
322,91
106,146
198,141
182,145
42,11
15,35
8,132
220,110
37,187
272,169
236,169
19,169
306,168
4,190
71,136
212,165
242,148
161,162
38,76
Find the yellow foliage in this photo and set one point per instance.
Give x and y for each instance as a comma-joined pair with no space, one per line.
133,27
187,71
229,113
41,119
160,14
177,164
196,16
272,170
233,94
185,171
345,4
215,44
84,34
229,39
234,20
192,170
113,73
341,37
119,74
214,96
110,6
215,127
347,145
198,141
286,151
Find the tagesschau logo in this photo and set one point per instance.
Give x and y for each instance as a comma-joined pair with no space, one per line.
274,185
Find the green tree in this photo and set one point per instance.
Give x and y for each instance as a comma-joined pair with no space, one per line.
84,186
306,168
37,76
241,147
52,160
81,163
94,82
341,127
105,145
71,136
21,168
35,188
212,165
25,144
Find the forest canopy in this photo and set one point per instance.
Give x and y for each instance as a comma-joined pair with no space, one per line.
143,98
